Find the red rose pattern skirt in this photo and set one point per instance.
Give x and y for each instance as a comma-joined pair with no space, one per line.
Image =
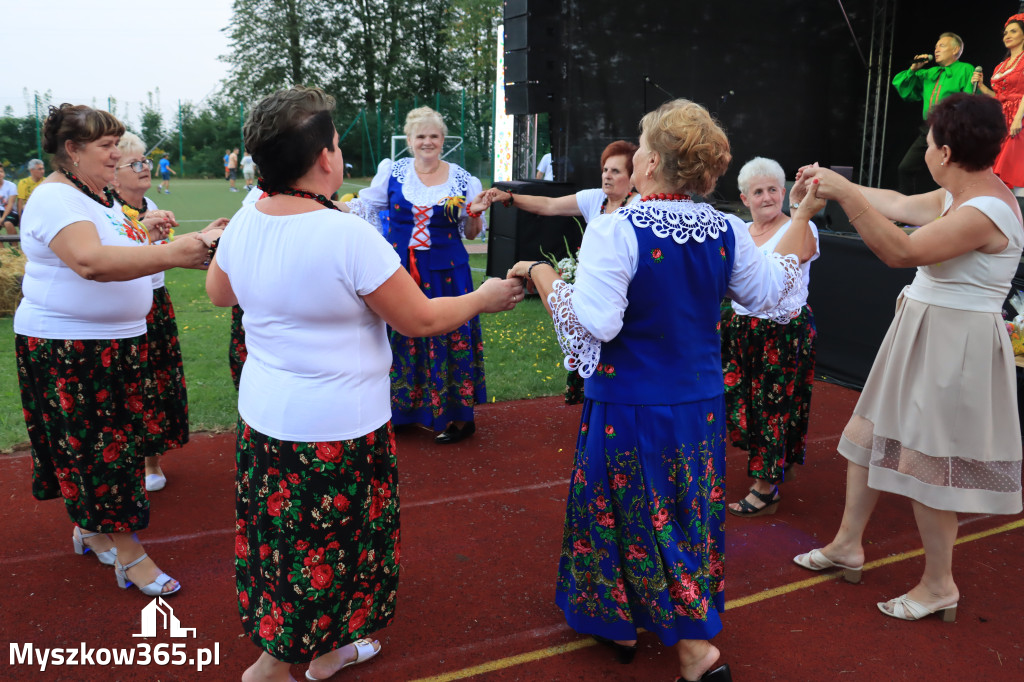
644,537
166,395
438,379
237,352
769,376
317,541
84,404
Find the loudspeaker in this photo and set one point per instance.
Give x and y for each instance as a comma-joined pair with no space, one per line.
532,41
527,98
515,235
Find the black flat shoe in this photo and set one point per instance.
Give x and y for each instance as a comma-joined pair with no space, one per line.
453,434
623,652
719,674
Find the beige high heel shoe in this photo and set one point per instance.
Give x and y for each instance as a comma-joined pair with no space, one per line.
906,608
815,560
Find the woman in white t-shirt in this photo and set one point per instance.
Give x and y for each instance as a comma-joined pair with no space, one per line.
768,366
81,342
317,499
616,189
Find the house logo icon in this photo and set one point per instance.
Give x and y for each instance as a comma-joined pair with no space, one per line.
158,611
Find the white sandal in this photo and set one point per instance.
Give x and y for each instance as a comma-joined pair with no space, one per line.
906,608
815,560
106,558
154,589
364,652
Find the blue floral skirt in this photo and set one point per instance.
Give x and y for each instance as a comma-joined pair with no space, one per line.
436,380
644,532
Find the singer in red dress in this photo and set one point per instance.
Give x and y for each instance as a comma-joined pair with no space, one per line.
1008,88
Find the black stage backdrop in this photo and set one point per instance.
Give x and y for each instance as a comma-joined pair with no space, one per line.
786,79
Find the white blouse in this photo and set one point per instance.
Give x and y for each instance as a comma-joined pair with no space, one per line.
768,247
374,199
591,310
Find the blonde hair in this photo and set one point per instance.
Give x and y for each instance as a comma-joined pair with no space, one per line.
131,143
423,116
693,149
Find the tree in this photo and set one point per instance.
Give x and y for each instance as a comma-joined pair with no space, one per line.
152,121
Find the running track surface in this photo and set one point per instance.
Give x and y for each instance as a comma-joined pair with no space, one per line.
481,532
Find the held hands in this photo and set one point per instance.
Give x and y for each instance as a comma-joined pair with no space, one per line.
190,251
218,224
495,194
159,224
799,190
501,294
481,202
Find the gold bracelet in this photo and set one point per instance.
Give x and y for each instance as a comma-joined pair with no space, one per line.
859,214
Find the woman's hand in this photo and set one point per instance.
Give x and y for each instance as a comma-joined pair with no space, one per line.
811,203
830,185
480,203
1015,127
210,235
190,251
500,294
159,224
495,194
978,78
799,190
218,224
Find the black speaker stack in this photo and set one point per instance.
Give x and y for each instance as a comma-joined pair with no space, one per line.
532,44
515,235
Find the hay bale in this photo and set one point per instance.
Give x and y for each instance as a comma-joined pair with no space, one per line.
12,270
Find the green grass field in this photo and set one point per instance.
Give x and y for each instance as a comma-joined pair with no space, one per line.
521,353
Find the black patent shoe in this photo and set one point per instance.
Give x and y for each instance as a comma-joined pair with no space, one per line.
624,652
453,434
719,674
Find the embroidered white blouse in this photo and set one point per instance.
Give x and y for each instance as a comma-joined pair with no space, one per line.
374,199
591,310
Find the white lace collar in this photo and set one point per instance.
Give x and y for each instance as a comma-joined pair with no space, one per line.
419,194
681,220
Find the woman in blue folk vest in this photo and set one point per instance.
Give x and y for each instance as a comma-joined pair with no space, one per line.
644,531
435,381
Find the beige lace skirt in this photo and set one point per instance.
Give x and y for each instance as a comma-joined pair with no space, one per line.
937,420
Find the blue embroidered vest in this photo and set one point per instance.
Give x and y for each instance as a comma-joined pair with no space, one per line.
446,250
669,349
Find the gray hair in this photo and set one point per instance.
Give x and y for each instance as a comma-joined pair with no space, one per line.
35,163
131,143
760,167
956,39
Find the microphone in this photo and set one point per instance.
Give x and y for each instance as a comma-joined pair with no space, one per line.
923,59
977,69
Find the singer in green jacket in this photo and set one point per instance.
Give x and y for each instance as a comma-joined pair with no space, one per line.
927,83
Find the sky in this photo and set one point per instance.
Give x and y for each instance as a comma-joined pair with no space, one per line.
86,52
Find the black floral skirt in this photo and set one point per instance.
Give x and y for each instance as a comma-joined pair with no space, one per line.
573,389
317,541
769,374
84,404
166,395
237,352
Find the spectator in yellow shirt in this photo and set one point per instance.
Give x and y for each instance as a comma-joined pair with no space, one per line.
36,171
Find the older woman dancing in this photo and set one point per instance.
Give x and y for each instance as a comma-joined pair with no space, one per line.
615,192
644,529
166,394
937,420
317,488
768,367
81,342
435,381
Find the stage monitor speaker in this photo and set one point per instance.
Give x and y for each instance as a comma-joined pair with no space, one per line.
515,235
528,98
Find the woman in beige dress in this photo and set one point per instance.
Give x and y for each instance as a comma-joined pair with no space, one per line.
937,420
